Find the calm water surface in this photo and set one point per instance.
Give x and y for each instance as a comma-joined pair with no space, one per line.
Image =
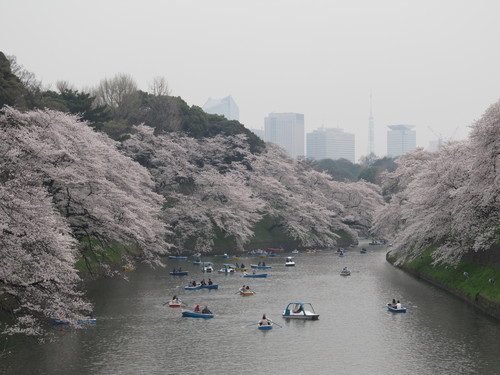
137,334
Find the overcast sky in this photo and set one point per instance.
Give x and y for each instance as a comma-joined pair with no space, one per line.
434,64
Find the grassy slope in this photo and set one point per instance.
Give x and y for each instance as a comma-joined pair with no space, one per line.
453,277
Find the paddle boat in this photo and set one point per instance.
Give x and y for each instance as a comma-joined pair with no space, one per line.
295,251
393,309
256,266
197,262
179,273
212,286
207,266
300,310
177,257
246,292
192,287
289,262
227,268
345,272
193,314
255,275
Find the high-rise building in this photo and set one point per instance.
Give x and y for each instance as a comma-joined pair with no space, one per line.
371,131
225,107
286,130
400,140
331,143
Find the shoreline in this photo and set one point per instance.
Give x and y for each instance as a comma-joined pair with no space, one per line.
486,305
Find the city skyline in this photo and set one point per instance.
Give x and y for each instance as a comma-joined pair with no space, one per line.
429,64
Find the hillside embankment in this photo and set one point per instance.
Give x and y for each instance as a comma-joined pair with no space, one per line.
476,279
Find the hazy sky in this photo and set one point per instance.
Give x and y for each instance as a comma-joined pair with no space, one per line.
429,63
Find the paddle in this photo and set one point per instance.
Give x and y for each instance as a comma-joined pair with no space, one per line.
408,306
251,324
276,324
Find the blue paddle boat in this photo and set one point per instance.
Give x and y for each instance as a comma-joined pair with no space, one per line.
300,310
395,309
177,257
179,273
192,287
213,286
255,266
255,275
192,314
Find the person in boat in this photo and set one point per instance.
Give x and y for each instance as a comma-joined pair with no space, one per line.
393,304
202,282
206,310
264,321
259,264
243,288
179,270
242,265
299,310
345,269
210,282
174,270
197,308
237,265
264,264
175,299
193,283
247,288
398,305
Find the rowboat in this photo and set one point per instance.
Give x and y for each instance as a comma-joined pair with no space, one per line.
175,304
197,262
255,275
395,310
266,327
191,287
246,293
177,257
362,251
63,321
345,273
260,267
192,314
213,286
295,251
179,273
300,310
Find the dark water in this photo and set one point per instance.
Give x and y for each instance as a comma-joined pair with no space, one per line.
136,334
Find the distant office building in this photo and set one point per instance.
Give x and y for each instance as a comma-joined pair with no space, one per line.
371,131
400,140
286,130
331,143
225,107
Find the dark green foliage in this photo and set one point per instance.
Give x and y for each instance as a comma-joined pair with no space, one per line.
340,170
12,91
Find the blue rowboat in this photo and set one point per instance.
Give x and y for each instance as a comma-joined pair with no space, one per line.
213,286
266,327
345,273
362,251
190,287
177,257
192,314
179,273
256,275
395,310
260,267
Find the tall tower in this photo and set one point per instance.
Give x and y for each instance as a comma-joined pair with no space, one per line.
371,134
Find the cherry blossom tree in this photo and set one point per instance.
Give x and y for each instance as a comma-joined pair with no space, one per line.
65,191
447,199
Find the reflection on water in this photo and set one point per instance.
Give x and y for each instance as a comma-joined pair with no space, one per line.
137,334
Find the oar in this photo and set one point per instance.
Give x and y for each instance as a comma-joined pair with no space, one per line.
251,324
408,306
276,324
